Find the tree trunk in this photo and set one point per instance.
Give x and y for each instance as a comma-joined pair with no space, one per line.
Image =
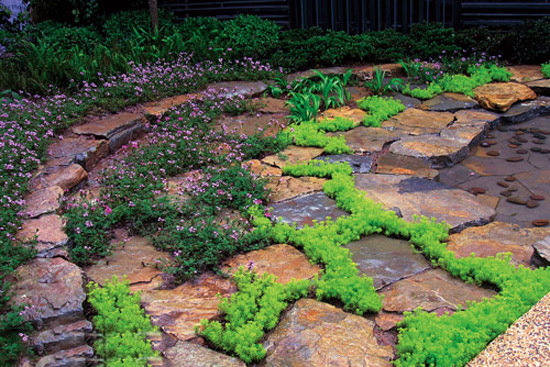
153,8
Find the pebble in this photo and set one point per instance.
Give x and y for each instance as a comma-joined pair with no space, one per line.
545,132
513,146
536,197
519,132
484,144
516,200
521,139
545,151
540,222
506,193
536,149
539,136
532,204
492,142
493,153
510,179
490,136
512,189
476,190
538,141
513,159
503,184
502,129
522,151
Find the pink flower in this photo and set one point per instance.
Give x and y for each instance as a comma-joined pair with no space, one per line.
108,210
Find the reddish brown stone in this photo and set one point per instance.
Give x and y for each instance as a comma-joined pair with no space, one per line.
43,201
541,222
110,126
48,230
501,96
537,197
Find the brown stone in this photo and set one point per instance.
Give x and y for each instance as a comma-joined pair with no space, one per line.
506,193
283,261
262,170
513,146
537,197
64,177
497,237
501,96
293,155
393,164
317,334
158,108
540,86
541,222
418,196
516,200
61,337
84,151
54,288
367,139
465,134
538,141
432,290
525,73
49,233
287,187
272,105
514,159
75,357
110,126
522,151
43,201
440,151
134,258
247,124
184,354
415,121
469,117
477,190
177,311
387,321
354,114
503,184
519,132
449,102
510,179
368,71
493,153
532,204
488,200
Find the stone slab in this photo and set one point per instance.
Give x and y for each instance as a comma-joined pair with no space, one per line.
368,139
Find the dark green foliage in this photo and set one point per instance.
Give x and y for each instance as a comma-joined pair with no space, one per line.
250,36
528,43
429,40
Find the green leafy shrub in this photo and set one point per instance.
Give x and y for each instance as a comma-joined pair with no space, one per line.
429,40
250,312
528,43
379,109
545,70
122,323
250,36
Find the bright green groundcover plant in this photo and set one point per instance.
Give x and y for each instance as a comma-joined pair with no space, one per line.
545,70
122,323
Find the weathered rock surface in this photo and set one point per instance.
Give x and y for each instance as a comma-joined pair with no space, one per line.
494,166
449,102
306,209
387,321
541,86
185,354
283,261
367,139
354,114
81,150
177,311
157,108
49,233
54,288
293,155
391,70
75,357
465,134
525,111
416,122
267,124
525,73
439,150
431,290
474,117
286,187
260,169
65,177
501,96
272,105
542,252
135,258
497,237
110,126
393,164
419,196
407,101
62,337
317,334
359,163
238,88
386,259
43,201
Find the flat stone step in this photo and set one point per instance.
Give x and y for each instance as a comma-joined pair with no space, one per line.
84,151
43,201
440,151
75,357
62,337
525,111
238,88
48,231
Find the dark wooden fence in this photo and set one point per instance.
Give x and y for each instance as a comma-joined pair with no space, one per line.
356,16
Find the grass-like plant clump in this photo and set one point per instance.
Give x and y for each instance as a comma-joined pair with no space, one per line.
379,109
545,70
122,323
